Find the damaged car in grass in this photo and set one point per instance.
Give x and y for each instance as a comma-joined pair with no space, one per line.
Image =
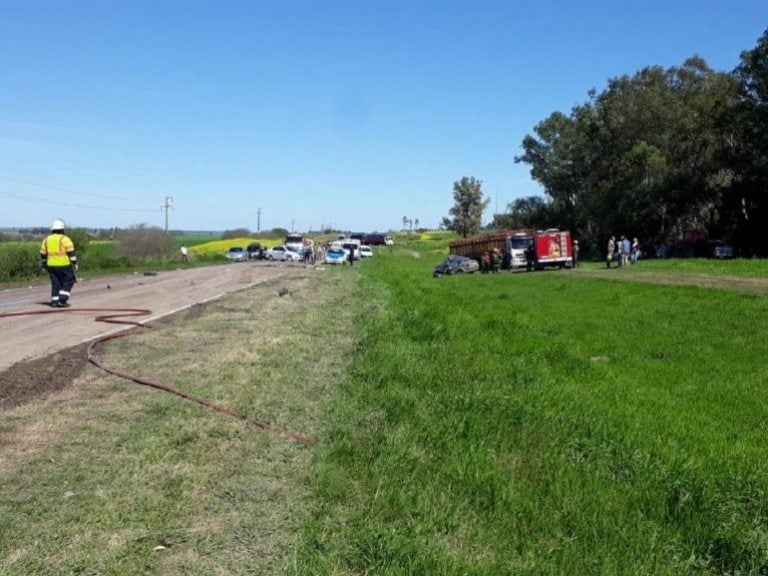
455,264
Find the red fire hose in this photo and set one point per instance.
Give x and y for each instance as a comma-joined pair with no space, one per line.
117,316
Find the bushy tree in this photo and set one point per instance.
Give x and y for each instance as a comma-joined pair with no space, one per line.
20,261
466,215
80,238
145,243
641,158
529,212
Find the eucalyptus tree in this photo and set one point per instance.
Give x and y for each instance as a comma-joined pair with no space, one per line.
748,150
642,157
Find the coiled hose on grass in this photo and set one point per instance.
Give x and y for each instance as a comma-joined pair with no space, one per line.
120,316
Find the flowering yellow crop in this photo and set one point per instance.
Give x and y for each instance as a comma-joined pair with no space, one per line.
221,246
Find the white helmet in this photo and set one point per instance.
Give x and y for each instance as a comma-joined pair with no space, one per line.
58,225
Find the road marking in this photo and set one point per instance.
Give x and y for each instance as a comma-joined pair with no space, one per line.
9,303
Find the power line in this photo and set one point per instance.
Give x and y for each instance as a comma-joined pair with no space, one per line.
37,185
34,200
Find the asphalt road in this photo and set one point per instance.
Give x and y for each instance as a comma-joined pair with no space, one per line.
35,336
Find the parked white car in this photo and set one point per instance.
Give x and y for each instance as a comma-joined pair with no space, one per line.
282,253
366,251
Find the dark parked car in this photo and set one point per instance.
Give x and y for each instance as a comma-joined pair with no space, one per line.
256,251
455,264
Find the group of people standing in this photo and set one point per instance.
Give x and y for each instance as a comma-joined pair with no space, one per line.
490,261
312,254
624,252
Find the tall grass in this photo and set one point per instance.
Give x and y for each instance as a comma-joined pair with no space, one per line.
545,423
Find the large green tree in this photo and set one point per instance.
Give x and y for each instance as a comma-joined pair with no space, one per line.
529,212
466,215
641,158
747,151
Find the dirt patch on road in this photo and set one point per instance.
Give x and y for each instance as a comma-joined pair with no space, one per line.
36,379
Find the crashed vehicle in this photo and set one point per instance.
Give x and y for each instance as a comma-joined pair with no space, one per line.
455,264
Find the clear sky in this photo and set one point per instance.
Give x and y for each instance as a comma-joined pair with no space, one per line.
350,114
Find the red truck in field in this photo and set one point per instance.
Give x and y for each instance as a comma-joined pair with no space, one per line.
549,249
522,248
509,244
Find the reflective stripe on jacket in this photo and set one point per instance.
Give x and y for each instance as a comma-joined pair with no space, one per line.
57,248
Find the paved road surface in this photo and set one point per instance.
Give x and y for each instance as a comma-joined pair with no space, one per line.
27,337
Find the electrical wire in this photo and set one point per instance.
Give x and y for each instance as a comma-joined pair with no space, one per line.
60,202
66,190
35,200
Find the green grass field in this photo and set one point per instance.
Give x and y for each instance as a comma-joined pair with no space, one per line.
520,423
546,423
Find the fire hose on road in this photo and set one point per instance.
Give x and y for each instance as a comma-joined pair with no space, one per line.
121,316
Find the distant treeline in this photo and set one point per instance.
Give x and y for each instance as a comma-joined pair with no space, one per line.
656,153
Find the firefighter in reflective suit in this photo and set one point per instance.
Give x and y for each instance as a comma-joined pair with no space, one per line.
57,254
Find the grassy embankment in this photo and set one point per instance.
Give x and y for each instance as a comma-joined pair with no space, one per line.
541,423
107,477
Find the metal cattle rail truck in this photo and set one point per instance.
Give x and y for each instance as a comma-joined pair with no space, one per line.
511,244
550,249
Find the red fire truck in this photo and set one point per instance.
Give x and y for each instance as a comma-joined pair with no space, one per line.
550,248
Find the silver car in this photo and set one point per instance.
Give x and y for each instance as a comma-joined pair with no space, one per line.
237,254
283,254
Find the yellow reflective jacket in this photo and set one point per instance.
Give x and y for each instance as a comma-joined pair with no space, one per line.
58,250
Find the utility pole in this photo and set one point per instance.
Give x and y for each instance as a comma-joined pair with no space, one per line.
258,221
168,204
293,222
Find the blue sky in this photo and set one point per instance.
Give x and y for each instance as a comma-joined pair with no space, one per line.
349,114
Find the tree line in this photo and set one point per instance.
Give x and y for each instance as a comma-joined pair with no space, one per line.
656,153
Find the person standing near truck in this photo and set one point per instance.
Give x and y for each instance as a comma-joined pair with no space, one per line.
575,253
485,263
611,250
57,255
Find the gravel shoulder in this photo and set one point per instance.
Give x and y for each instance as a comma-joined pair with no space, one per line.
47,332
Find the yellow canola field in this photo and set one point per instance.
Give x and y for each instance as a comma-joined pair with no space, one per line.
221,246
